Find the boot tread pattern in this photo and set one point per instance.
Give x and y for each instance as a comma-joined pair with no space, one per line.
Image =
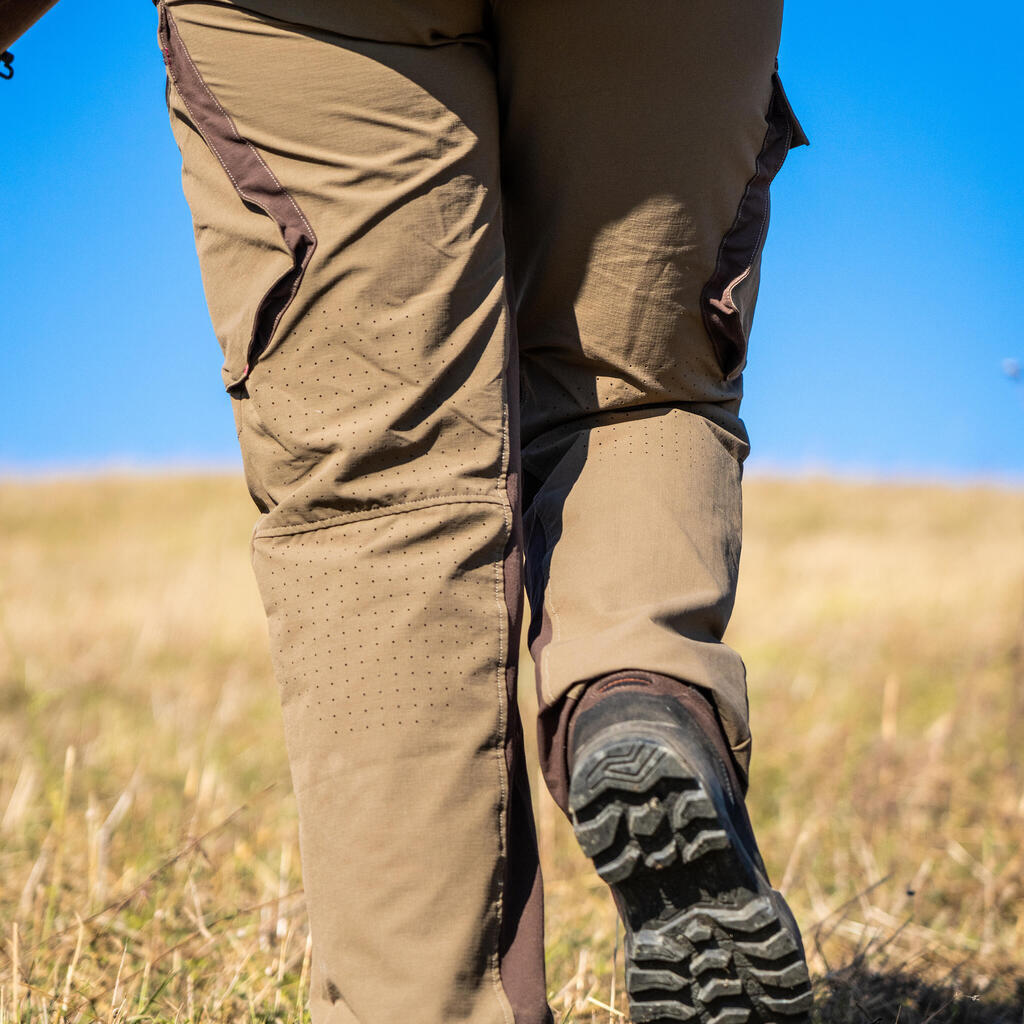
637,809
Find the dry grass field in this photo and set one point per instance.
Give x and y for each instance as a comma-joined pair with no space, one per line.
148,860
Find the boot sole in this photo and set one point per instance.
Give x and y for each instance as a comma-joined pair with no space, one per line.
707,938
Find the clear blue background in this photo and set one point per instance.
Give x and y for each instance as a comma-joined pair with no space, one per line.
891,291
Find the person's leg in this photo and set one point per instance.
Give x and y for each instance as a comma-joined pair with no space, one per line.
639,141
346,202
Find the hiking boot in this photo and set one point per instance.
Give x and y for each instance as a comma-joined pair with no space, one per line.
657,804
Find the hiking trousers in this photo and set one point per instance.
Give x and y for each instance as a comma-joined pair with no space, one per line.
483,273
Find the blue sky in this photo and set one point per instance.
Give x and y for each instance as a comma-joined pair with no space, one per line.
891,289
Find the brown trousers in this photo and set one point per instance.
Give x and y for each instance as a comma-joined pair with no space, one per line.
483,273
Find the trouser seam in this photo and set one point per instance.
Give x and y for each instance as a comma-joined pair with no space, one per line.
500,674
614,416
377,513
503,712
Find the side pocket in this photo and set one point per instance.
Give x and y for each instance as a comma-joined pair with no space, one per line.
728,299
259,189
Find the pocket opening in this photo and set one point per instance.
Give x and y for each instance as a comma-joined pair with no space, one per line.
727,299
254,182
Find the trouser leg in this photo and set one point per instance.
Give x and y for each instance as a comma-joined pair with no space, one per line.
638,143
347,212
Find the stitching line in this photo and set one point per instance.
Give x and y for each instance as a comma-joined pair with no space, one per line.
377,513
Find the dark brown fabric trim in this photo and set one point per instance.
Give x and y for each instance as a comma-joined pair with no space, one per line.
521,941
253,180
521,936
744,240
553,747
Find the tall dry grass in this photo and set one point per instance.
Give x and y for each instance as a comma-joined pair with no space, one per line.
148,858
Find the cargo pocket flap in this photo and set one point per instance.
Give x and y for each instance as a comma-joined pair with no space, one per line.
799,136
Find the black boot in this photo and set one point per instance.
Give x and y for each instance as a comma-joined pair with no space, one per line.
657,804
